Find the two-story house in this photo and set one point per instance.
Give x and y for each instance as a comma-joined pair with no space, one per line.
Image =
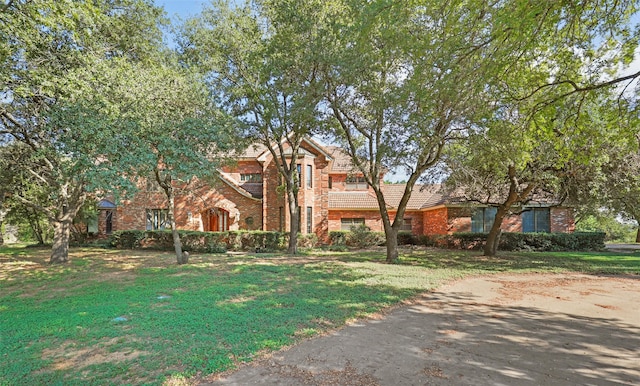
331,197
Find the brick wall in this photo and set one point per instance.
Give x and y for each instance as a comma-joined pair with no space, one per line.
195,199
315,197
371,218
435,222
562,220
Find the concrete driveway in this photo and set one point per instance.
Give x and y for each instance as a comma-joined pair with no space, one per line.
533,329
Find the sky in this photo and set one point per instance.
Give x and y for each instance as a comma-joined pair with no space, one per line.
181,8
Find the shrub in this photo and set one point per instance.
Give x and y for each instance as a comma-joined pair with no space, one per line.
126,239
407,238
308,240
361,236
212,242
579,241
338,237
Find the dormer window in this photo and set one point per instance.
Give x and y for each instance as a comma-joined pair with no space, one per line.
251,177
356,183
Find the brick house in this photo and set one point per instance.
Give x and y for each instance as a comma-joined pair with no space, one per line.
331,197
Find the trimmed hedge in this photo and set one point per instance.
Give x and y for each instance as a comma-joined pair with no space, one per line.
213,242
358,237
578,241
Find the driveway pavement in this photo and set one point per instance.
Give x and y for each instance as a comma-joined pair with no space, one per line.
534,329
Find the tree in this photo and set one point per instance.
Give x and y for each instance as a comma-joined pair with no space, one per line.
258,63
49,55
614,189
404,79
548,155
167,130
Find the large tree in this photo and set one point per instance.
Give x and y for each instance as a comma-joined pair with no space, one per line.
518,160
167,130
259,64
405,78
49,55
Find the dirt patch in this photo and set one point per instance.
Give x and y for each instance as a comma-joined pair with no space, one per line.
68,355
531,329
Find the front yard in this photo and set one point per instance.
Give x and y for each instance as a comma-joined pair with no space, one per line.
112,317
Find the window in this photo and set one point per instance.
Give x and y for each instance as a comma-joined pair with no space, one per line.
251,177
157,219
347,223
356,183
406,224
300,219
482,219
309,219
299,169
281,217
108,222
330,182
309,176
536,220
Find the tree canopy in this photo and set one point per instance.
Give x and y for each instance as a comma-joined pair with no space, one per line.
53,54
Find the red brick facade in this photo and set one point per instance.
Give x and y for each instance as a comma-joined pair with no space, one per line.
237,201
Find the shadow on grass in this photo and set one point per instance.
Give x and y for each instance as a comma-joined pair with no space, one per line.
154,320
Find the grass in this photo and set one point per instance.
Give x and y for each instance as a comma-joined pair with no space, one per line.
118,317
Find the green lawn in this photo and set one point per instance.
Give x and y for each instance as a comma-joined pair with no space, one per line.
113,317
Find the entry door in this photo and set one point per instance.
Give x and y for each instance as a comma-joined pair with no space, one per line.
219,220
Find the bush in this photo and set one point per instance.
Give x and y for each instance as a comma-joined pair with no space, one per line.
578,241
407,238
212,242
338,237
361,236
307,241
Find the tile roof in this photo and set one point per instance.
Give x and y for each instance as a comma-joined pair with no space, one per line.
253,151
422,196
352,200
341,162
254,188
226,177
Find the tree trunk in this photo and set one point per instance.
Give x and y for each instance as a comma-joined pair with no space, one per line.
391,235
181,258
60,249
294,225
493,238
3,213
638,235
166,183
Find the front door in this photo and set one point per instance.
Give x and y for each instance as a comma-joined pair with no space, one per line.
218,220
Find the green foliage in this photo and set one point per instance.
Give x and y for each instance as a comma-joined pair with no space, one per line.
307,240
615,230
361,236
212,242
407,238
578,241
58,61
338,237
